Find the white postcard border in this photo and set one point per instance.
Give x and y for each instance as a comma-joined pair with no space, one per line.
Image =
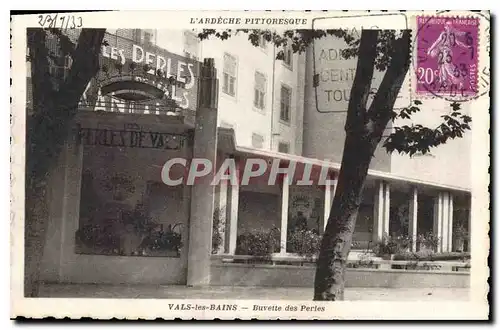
476,308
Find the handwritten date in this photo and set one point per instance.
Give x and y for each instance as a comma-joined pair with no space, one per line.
60,21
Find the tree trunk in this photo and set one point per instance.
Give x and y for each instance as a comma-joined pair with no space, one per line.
46,130
336,243
363,133
36,220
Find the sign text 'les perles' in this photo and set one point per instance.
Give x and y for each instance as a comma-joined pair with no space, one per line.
157,63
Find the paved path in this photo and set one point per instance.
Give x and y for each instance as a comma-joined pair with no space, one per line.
216,292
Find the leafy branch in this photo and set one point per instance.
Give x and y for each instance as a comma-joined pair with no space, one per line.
411,139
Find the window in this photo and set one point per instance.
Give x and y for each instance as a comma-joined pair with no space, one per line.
191,45
148,37
141,36
259,99
283,147
257,140
136,35
287,55
229,74
286,95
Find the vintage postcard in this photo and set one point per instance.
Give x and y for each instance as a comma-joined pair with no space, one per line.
271,165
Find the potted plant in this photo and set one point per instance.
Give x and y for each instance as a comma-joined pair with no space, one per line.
365,261
427,241
460,235
163,243
386,248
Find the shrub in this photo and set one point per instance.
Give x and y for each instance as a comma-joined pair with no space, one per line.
415,266
392,245
305,243
406,255
428,240
258,244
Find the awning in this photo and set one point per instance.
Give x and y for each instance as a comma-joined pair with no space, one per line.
227,144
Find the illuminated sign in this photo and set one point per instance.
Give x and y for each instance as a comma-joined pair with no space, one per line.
148,76
163,65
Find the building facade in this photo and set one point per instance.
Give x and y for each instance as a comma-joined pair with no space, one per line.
114,220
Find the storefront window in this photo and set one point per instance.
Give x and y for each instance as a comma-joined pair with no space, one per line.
125,209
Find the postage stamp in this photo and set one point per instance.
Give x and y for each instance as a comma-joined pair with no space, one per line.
240,164
447,56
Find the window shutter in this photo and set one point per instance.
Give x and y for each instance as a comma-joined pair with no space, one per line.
260,82
230,65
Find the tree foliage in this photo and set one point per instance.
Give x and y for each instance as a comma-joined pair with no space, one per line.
56,97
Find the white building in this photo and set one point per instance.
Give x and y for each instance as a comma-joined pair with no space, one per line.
267,109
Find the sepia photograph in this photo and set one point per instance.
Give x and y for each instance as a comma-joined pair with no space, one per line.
265,158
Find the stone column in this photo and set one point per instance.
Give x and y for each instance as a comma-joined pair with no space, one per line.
335,183
71,204
284,212
53,262
449,247
329,195
233,212
378,207
413,216
446,221
444,226
381,211
387,208
202,193
438,219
